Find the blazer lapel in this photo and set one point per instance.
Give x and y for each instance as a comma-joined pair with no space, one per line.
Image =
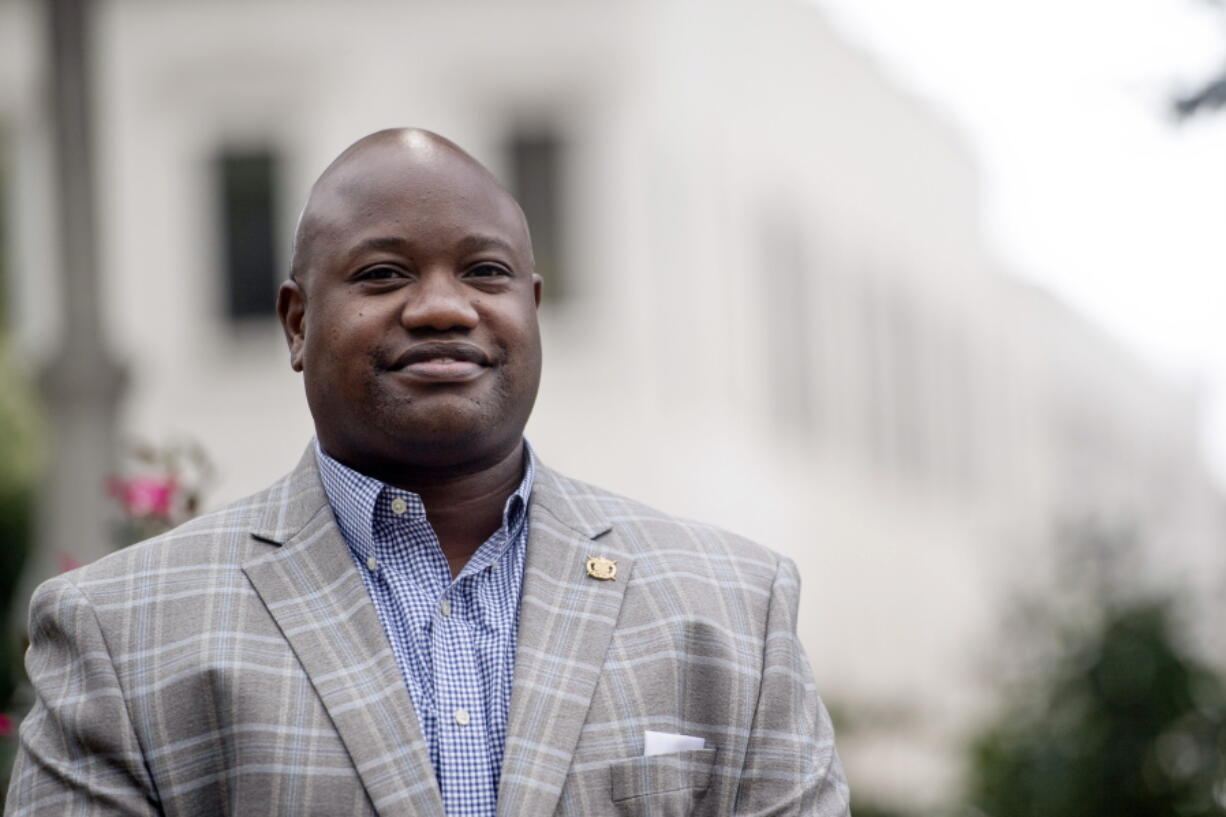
312,589
566,620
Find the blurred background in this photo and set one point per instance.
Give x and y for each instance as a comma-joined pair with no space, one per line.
925,296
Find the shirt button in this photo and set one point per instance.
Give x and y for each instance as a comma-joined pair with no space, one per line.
445,607
372,563
461,716
399,506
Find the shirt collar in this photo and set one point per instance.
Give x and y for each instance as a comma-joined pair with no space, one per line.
354,496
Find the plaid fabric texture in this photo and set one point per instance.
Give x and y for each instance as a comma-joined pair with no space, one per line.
453,639
237,665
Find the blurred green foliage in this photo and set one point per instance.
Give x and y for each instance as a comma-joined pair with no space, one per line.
1106,710
861,807
20,469
1125,723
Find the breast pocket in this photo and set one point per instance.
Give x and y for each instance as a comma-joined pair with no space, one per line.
668,785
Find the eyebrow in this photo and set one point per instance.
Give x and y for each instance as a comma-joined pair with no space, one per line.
388,244
477,243
468,244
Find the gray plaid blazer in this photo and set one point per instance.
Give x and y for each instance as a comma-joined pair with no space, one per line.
236,665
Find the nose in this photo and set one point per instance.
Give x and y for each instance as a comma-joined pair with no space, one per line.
440,302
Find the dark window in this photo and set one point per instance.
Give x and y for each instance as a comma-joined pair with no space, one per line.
535,164
246,189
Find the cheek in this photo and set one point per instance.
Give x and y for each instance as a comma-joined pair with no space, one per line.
339,329
523,348
329,351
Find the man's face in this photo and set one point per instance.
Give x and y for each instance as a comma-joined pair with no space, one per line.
414,322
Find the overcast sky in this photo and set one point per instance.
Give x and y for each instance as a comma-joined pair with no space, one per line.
1090,187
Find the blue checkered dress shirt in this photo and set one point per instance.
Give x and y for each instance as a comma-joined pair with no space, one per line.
454,640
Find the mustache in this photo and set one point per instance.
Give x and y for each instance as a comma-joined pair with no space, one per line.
433,350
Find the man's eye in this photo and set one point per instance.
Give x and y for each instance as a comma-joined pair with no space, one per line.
378,274
488,271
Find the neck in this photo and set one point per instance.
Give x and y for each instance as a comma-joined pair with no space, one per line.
464,506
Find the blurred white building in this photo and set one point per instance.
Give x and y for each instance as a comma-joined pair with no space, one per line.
769,302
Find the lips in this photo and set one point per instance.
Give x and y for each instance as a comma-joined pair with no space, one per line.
443,362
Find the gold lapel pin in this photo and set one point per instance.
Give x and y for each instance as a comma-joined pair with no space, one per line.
598,567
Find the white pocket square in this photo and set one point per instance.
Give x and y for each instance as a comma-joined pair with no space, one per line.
663,743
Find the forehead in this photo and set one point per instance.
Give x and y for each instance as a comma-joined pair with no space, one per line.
424,198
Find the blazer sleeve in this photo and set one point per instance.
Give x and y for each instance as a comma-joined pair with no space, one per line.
78,753
791,767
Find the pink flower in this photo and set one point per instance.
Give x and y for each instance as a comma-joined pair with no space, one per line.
6,725
145,496
66,562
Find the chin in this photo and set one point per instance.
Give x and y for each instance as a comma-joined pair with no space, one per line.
442,442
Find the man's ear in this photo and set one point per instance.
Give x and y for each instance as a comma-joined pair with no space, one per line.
291,309
537,283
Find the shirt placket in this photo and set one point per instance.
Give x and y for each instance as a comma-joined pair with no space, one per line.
411,580
463,731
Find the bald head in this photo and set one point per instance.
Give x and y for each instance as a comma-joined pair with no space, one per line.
382,163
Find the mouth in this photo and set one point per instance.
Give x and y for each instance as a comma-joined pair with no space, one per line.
437,362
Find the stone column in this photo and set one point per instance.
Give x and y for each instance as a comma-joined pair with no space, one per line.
81,383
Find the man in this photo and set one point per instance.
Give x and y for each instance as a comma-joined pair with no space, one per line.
422,619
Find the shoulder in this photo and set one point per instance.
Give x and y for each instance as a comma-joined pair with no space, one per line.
664,545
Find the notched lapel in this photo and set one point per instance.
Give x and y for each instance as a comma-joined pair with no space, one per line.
312,589
566,621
